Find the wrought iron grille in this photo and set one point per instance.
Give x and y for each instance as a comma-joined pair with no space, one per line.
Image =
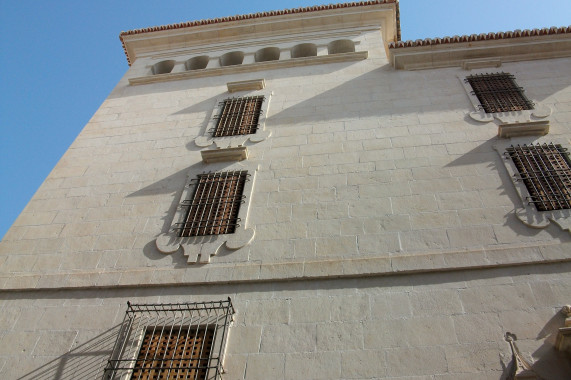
214,207
171,341
498,93
546,172
239,116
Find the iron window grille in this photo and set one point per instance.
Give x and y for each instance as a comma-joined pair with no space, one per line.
238,116
171,341
498,93
546,172
214,207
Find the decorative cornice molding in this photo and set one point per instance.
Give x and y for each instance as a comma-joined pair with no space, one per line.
492,49
292,270
252,67
480,37
240,18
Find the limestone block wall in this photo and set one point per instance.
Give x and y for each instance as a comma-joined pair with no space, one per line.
438,326
385,239
363,162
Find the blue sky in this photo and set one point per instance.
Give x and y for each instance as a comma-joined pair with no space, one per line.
60,59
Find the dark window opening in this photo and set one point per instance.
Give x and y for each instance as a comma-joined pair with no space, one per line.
214,207
546,172
171,341
239,116
498,93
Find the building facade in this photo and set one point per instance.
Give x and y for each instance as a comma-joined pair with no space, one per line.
301,194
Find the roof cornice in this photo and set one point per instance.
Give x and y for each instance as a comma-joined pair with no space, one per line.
518,45
480,37
248,18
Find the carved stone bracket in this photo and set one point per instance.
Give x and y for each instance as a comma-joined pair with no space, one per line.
199,249
521,368
563,341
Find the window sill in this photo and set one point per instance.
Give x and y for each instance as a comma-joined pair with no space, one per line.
224,154
259,66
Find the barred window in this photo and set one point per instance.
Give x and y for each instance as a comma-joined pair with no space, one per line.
238,116
214,207
546,172
498,93
171,341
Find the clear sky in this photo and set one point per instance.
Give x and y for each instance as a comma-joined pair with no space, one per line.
60,59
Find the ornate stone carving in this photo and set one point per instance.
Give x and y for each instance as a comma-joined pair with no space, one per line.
563,341
527,213
199,249
521,368
532,122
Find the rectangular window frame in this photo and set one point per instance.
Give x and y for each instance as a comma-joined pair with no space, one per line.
200,248
238,116
545,170
215,204
497,93
258,133
213,318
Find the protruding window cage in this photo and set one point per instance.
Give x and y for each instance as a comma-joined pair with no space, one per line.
171,341
238,116
498,93
546,172
214,207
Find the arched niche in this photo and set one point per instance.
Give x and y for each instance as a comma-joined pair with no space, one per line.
163,67
341,46
197,63
232,58
267,54
304,50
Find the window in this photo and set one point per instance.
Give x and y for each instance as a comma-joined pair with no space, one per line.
212,212
238,116
498,93
213,209
171,341
546,172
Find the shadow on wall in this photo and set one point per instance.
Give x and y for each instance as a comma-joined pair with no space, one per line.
383,92
173,185
484,153
86,361
546,362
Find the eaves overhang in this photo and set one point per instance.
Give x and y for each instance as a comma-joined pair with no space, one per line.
474,50
383,13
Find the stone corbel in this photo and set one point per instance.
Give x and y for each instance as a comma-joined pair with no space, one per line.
521,368
563,341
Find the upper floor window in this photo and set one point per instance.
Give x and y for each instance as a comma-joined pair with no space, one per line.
546,172
214,207
498,93
238,116
171,341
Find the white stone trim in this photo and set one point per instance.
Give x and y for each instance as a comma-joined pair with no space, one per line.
250,67
506,49
310,269
246,85
532,122
199,249
205,139
227,154
525,212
